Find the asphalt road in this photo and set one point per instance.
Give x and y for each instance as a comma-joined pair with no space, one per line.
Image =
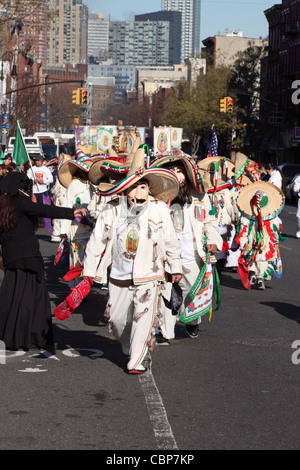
235,387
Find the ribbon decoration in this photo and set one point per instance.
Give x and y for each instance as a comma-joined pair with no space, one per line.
147,152
226,166
216,165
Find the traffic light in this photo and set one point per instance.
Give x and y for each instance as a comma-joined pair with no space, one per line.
223,105
76,96
229,104
83,93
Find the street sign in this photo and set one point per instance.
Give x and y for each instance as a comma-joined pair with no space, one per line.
3,125
7,125
6,118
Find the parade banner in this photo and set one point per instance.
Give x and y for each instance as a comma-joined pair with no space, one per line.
86,139
105,136
176,138
161,140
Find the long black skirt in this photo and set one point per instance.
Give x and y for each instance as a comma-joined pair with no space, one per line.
25,310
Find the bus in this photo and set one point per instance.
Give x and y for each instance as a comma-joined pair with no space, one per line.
53,144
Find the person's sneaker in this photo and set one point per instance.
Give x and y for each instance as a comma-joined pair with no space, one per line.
192,331
161,340
252,279
260,284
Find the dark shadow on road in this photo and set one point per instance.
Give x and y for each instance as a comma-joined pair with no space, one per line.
290,311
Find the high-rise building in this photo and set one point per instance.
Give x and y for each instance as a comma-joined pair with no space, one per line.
139,42
68,33
174,17
190,29
124,77
33,32
98,30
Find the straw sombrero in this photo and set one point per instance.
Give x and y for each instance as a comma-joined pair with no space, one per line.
68,170
260,197
115,167
246,170
163,183
216,173
188,163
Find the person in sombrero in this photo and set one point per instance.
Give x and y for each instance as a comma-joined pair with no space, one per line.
136,235
113,171
73,175
246,171
196,230
217,173
58,192
260,204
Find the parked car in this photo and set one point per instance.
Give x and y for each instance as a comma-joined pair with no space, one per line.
289,170
290,195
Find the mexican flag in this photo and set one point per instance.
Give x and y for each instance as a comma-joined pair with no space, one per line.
20,154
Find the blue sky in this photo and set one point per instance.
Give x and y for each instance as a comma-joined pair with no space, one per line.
217,15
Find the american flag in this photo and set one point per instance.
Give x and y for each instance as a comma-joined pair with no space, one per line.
213,148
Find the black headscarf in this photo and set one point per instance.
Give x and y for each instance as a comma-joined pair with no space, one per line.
14,181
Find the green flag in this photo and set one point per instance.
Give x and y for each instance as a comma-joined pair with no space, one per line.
20,154
2,158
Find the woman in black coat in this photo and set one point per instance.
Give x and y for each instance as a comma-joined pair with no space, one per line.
25,311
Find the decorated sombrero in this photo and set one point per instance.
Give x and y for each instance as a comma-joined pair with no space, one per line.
163,183
177,156
260,198
67,170
216,173
246,170
53,162
116,166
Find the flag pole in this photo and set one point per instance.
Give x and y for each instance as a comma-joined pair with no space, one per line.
18,123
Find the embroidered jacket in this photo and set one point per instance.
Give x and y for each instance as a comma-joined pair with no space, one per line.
204,225
157,245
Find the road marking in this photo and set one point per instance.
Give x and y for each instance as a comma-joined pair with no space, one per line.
157,413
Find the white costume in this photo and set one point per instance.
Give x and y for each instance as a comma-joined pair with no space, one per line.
136,250
296,188
78,196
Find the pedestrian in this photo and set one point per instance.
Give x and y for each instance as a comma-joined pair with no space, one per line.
275,176
25,311
41,176
263,172
7,160
134,237
296,188
196,229
260,204
1,171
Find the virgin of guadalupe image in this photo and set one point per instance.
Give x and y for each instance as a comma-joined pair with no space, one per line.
162,142
132,242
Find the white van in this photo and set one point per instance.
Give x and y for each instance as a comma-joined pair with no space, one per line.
32,144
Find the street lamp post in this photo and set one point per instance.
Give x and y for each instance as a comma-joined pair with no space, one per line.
13,75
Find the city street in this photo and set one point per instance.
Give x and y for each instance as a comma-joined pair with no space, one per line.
235,387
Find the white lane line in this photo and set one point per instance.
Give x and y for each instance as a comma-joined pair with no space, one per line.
157,413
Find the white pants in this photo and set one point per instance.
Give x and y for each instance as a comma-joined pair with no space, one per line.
167,323
132,319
